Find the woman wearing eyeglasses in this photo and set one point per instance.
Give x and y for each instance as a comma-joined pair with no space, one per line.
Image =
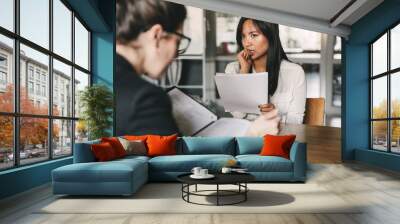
148,36
261,51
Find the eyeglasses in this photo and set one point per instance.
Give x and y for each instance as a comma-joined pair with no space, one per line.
184,42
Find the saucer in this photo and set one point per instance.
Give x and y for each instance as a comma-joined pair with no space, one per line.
208,176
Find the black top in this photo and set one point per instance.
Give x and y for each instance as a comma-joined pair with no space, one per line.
220,178
141,107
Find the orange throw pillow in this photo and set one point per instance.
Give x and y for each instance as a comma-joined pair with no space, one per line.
277,145
103,151
161,145
116,145
136,137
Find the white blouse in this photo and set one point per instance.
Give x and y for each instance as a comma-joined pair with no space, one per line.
290,95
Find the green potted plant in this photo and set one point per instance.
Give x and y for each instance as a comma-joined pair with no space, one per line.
96,102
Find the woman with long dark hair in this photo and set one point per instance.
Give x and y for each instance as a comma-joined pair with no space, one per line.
260,50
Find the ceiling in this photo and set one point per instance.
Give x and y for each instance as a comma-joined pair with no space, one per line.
321,9
326,16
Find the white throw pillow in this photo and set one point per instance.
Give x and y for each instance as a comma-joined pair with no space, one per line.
136,147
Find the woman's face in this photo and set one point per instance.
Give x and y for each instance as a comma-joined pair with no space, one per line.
253,40
160,53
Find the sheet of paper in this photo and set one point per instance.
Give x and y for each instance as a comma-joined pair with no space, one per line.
243,92
226,127
189,114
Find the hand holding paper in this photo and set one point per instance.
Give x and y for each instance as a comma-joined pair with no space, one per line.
268,123
265,108
243,92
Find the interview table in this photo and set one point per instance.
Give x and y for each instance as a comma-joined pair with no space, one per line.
323,142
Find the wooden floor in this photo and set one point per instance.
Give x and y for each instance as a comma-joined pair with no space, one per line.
379,189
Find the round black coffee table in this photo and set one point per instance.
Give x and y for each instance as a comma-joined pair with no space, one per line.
238,179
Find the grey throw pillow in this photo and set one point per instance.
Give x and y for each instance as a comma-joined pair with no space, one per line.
136,147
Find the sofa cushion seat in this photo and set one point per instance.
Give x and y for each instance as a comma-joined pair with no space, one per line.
257,163
132,158
111,171
184,163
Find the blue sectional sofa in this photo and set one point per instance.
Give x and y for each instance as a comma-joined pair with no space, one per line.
125,176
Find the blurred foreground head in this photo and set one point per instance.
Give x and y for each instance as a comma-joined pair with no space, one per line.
148,33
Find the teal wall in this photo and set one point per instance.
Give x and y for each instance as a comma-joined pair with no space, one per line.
103,50
355,98
100,17
356,103
24,178
380,159
102,58
91,12
103,47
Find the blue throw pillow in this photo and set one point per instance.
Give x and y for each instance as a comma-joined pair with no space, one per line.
249,145
83,152
206,145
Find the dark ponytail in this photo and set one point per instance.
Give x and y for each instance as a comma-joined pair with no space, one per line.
275,53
